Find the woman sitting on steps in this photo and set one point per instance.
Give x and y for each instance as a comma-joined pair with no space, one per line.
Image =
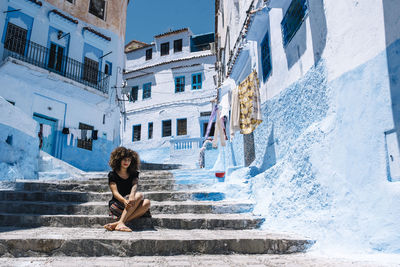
126,204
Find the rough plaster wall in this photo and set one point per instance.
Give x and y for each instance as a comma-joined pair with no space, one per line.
115,14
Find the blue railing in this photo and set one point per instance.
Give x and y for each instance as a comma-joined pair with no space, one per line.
186,143
35,54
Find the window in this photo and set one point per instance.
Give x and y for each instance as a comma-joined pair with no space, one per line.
164,49
266,57
86,141
179,84
150,131
136,132
15,39
71,1
205,125
108,68
293,18
134,94
149,54
90,70
181,126
98,8
196,81
166,128
56,57
146,90
178,45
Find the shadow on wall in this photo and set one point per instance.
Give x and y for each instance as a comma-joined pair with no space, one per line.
269,158
392,34
298,45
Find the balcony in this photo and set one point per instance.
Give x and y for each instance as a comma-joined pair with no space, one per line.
53,59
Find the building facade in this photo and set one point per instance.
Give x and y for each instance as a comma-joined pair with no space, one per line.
169,93
61,63
329,140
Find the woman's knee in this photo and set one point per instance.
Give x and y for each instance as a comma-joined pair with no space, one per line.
146,203
139,196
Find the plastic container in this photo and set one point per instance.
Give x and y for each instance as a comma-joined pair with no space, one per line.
220,174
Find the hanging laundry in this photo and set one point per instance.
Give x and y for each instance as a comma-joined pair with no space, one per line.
89,134
225,105
249,98
210,121
219,132
46,130
235,113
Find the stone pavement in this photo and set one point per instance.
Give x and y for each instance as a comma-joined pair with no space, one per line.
291,260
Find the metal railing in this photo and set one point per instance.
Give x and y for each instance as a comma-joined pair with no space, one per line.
186,143
53,60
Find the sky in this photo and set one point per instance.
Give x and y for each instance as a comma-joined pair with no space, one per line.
147,18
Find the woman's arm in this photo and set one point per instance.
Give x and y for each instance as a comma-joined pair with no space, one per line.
133,190
116,194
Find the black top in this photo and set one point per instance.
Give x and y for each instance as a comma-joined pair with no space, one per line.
124,186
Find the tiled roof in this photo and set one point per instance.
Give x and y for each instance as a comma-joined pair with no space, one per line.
97,33
171,32
55,11
134,45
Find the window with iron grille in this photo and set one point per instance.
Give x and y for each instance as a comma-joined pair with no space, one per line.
86,141
15,40
179,84
196,81
164,49
98,8
181,126
136,132
150,131
266,57
293,19
166,128
56,57
146,90
71,1
108,68
134,94
178,45
149,54
90,70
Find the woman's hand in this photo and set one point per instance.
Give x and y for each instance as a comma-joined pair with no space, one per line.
127,203
131,202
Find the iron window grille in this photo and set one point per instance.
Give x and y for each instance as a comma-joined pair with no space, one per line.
136,132
179,84
134,94
16,39
149,54
266,57
150,131
196,81
166,128
181,126
178,45
85,142
293,19
53,59
146,90
164,49
98,8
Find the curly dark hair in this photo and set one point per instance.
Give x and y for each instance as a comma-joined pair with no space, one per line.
119,154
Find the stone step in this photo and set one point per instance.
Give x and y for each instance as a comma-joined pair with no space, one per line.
80,187
143,182
96,242
63,196
185,221
98,208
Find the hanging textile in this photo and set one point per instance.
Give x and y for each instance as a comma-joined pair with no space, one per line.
235,113
219,131
249,98
210,121
46,130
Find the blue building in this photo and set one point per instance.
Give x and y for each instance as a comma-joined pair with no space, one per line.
61,64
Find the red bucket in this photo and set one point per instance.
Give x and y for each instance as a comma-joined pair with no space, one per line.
220,174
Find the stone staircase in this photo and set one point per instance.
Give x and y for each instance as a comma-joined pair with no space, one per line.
65,218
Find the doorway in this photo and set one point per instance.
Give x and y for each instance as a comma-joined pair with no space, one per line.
47,132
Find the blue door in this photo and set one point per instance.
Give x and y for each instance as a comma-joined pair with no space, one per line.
47,132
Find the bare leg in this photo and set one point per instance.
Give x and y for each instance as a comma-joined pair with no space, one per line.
145,206
118,225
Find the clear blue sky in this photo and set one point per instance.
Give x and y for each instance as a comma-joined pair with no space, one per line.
146,18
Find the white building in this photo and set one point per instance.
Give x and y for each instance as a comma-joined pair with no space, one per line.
61,64
325,159
170,89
